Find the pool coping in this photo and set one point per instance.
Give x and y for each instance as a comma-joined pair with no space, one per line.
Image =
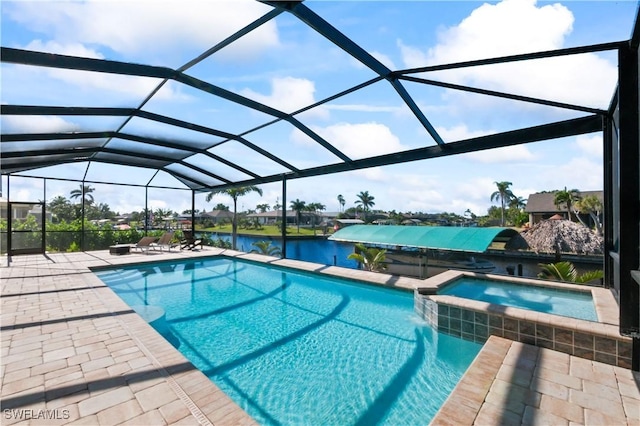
64,338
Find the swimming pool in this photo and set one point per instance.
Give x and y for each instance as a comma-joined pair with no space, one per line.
568,303
297,348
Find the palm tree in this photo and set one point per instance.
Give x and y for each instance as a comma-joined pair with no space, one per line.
84,193
160,215
566,197
234,193
518,203
266,247
263,207
298,206
315,208
504,195
341,201
371,258
366,201
591,205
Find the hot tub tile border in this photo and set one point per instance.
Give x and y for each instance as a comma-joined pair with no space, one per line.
476,321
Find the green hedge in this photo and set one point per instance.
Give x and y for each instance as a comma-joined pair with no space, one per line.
67,236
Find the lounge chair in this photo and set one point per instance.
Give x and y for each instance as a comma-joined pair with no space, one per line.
189,242
144,244
166,241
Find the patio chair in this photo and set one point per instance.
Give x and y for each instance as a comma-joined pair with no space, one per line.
144,244
166,241
189,242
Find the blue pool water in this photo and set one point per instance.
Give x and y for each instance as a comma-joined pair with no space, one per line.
574,304
295,348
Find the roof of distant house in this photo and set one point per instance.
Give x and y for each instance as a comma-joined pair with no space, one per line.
277,213
543,202
218,214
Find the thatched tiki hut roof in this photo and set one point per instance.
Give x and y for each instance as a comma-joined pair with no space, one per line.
563,236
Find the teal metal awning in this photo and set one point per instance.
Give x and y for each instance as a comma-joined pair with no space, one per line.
475,240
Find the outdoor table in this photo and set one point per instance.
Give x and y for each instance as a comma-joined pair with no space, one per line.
120,249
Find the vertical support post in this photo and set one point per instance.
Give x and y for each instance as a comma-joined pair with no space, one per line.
629,190
9,220
44,217
609,143
82,230
147,216
284,216
193,212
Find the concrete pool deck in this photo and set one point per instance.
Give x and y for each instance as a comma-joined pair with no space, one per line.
74,353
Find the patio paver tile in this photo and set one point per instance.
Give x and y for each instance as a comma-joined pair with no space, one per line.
105,400
174,411
19,365
120,413
23,385
602,391
48,367
558,378
97,364
15,375
156,396
149,418
593,402
85,421
597,417
549,388
562,408
535,416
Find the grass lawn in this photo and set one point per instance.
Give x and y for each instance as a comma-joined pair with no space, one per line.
267,230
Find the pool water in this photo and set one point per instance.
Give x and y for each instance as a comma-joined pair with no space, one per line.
297,348
574,304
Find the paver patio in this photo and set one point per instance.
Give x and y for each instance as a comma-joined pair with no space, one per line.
74,353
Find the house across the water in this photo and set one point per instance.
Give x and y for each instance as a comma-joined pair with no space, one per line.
541,206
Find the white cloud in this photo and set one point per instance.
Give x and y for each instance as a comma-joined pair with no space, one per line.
365,108
131,27
37,124
581,173
289,94
505,28
514,27
71,49
72,87
384,59
138,87
508,154
373,174
360,140
460,132
511,154
590,145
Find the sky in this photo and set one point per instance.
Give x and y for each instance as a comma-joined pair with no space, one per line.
285,65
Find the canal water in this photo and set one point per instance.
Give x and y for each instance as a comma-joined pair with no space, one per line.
317,250
329,252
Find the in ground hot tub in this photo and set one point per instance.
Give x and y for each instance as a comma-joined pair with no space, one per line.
576,319
572,303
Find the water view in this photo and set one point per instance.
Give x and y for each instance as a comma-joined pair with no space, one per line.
329,252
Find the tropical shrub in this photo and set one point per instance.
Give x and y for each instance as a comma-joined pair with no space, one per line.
219,242
371,258
566,271
266,247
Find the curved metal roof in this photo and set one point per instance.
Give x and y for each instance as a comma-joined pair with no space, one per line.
476,240
206,156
